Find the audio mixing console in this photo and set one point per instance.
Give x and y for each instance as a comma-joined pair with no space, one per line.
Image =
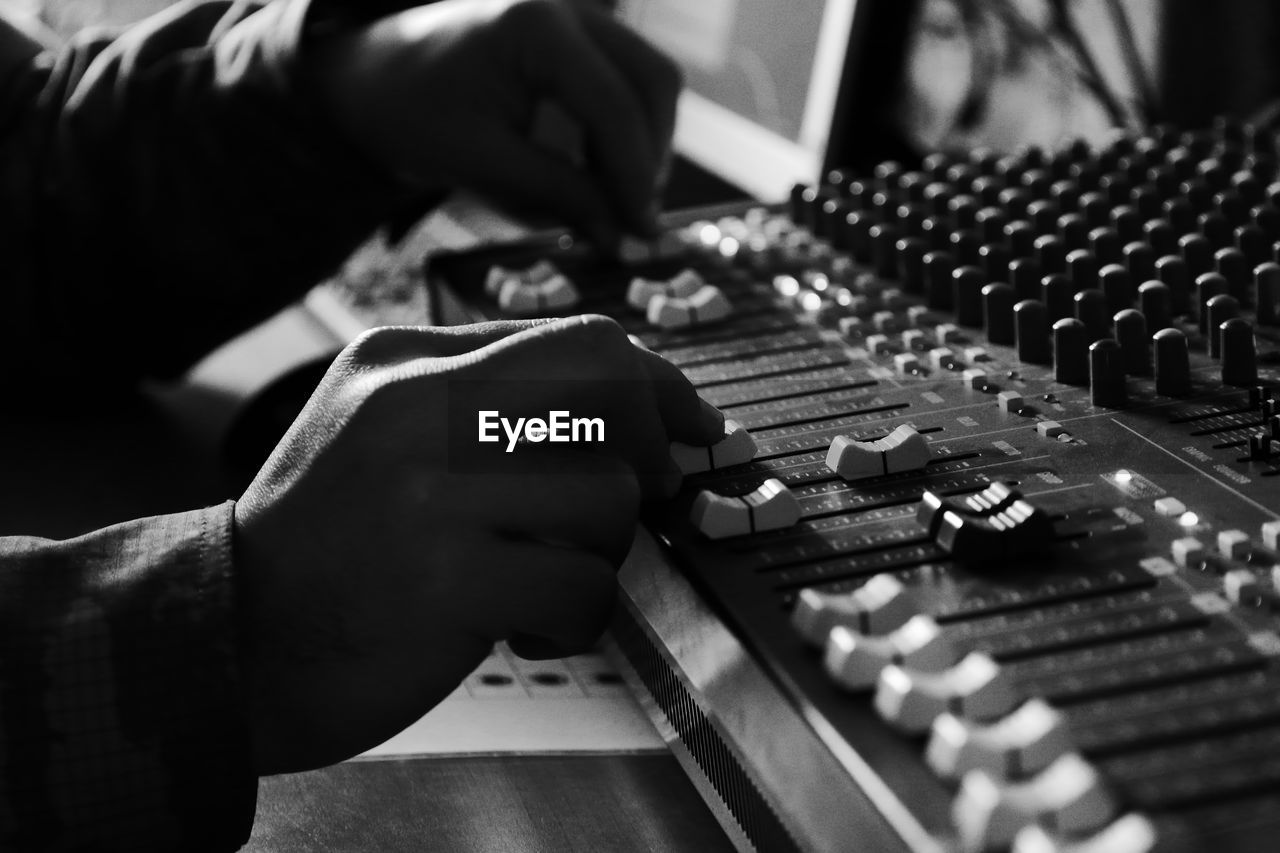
1025,409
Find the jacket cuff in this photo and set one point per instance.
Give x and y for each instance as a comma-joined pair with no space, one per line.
123,720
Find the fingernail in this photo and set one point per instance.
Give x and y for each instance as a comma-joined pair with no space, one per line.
712,418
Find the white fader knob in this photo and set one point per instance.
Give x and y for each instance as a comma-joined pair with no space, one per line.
1023,743
496,278
736,448
707,305
1068,796
524,299
854,660
877,607
904,449
643,290
976,688
770,507
1132,833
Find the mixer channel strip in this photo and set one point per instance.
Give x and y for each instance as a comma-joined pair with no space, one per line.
1092,524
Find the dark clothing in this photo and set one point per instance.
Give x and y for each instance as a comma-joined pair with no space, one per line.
162,190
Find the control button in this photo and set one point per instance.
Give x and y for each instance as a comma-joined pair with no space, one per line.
976,688
1106,375
885,321
1242,587
1266,280
913,339
1173,364
707,305
1030,325
995,525
879,344
1092,309
942,358
498,276
1132,833
1170,507
904,449
947,333
975,378
1220,309
1021,744
1068,796
1010,401
906,364
1117,287
736,448
685,284
854,660
1234,544
879,606
1239,353
1070,352
524,298
1135,344
967,284
1154,302
771,507
1050,429
1271,535
852,327
1188,552
976,355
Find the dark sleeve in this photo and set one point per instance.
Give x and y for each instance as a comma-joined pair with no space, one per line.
121,714
165,189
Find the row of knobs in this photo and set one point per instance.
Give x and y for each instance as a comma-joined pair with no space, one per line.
1157,235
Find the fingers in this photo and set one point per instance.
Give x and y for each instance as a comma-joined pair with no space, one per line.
550,599
577,72
526,176
568,498
687,416
655,79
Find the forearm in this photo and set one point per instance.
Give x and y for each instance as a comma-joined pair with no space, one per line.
170,188
122,722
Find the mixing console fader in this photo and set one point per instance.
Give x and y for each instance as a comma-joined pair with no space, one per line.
990,556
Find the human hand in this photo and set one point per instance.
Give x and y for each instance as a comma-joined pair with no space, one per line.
445,95
381,556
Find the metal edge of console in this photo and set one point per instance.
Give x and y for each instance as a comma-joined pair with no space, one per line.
825,795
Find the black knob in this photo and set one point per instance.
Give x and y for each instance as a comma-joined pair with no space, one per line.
991,222
938,267
1140,259
1219,310
1117,284
1106,375
1239,353
884,249
857,234
994,259
1127,224
1254,244
1051,253
1021,238
1173,271
1106,245
1173,363
1161,236
1082,267
1234,267
1209,285
1266,280
1070,352
1074,231
1153,302
1031,325
1198,254
998,300
1025,275
911,252
1058,296
967,285
1091,309
1131,334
